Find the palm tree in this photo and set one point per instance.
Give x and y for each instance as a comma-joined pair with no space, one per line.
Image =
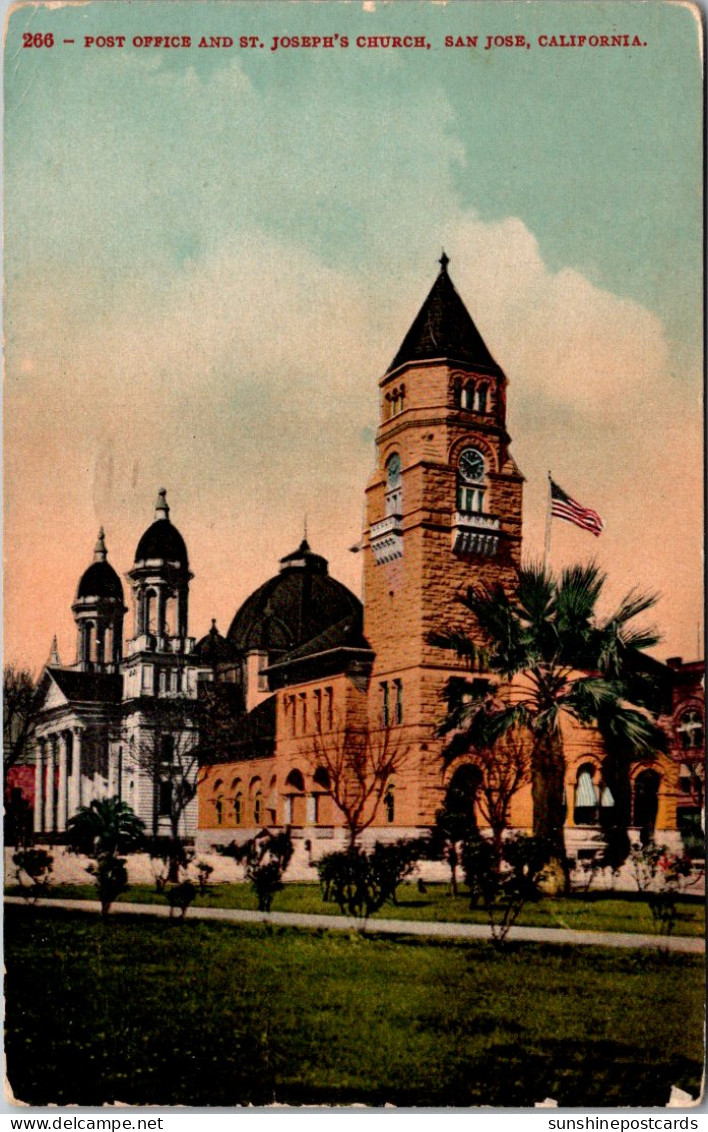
106,827
564,660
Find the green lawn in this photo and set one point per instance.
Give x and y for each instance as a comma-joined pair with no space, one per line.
192,1013
591,911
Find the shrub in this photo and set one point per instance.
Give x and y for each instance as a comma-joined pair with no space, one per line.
104,830
181,896
204,871
111,876
360,882
168,857
37,864
504,890
266,857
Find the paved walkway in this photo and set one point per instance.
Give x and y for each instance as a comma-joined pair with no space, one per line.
688,944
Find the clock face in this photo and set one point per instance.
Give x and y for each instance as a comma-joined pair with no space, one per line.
393,471
472,465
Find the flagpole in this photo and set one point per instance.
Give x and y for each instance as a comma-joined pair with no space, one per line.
547,547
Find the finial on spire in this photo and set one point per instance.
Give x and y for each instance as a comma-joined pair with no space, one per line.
304,528
99,551
162,510
443,261
54,652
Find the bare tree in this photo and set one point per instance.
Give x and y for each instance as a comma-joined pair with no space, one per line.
503,769
361,763
169,752
19,708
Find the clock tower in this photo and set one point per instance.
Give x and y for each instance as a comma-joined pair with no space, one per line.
443,513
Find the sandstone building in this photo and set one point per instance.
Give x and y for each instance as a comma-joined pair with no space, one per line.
304,664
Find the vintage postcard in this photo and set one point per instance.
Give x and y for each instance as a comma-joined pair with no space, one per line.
353,586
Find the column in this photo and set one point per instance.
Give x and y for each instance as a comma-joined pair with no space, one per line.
50,814
77,780
100,645
62,789
182,611
117,640
162,602
39,787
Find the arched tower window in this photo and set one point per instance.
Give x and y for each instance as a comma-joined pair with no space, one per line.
467,396
394,487
471,481
150,611
482,396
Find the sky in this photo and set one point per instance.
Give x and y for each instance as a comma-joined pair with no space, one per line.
212,255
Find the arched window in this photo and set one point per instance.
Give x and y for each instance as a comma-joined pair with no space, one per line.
390,804
482,394
690,730
462,792
471,472
258,808
586,810
467,401
150,611
394,490
219,807
321,778
296,781
646,802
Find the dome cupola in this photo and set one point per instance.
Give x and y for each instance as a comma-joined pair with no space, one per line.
98,611
100,580
162,542
160,579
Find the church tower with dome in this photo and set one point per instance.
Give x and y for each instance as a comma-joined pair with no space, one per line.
121,721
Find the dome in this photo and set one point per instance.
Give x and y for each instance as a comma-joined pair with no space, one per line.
299,603
162,541
213,648
100,580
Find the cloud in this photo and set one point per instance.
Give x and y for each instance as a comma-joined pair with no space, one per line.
184,317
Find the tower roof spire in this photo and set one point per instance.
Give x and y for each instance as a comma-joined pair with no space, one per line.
162,510
99,551
443,329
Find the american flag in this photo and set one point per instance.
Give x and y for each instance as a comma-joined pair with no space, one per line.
563,507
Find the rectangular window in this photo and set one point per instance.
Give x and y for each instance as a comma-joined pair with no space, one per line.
303,701
330,709
385,713
398,709
470,500
164,798
147,678
318,710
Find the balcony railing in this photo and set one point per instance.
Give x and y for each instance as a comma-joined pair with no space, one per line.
387,539
474,533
